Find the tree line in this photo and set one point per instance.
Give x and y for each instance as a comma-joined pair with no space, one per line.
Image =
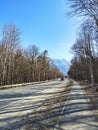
18,65
84,65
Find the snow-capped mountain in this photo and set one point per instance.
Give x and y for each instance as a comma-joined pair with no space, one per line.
62,65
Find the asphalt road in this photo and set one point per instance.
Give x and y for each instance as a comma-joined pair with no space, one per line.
17,102
78,112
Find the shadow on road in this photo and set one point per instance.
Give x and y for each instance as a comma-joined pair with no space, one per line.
54,112
77,111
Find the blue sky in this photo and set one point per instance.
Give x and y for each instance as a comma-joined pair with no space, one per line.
43,23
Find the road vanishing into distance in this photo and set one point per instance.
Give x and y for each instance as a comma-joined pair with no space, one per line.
16,102
76,113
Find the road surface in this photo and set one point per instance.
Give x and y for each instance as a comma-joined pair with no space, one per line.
16,102
78,112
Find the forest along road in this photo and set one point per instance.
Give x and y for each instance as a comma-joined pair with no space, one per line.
78,114
16,102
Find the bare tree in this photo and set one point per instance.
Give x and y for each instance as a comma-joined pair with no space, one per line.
18,65
87,8
32,54
84,65
9,42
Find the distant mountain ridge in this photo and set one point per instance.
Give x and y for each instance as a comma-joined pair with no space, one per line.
62,65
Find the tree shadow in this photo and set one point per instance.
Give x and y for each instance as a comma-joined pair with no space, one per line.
39,114
57,111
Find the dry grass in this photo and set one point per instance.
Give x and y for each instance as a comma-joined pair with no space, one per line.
92,95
